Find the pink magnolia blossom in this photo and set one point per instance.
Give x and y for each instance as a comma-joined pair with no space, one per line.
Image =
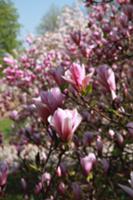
87,163
48,102
62,188
65,123
106,79
9,60
77,77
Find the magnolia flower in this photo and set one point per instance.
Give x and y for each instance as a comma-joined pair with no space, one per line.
77,77
48,102
87,163
9,60
106,79
65,123
62,188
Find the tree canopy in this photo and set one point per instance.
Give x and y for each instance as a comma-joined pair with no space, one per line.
49,22
9,27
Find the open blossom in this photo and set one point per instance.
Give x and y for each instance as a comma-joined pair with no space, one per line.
48,102
87,163
77,77
106,79
65,123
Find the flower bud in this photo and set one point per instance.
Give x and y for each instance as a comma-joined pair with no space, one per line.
111,133
130,128
87,163
62,170
88,138
76,191
61,188
24,184
105,165
99,145
38,188
119,139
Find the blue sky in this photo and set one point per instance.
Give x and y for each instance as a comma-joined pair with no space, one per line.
31,12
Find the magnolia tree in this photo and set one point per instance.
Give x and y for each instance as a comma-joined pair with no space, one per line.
71,103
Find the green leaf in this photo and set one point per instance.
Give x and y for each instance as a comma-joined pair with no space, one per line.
89,177
88,90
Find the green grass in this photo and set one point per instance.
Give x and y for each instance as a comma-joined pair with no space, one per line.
5,126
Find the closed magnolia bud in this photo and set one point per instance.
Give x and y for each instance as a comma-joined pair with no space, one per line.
88,138
130,128
61,170
86,115
106,79
105,165
111,133
58,171
46,177
61,188
119,139
87,163
76,191
38,188
24,184
99,144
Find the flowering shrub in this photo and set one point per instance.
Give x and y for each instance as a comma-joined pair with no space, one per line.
71,103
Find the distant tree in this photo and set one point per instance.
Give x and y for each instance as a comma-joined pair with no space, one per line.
9,27
49,22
